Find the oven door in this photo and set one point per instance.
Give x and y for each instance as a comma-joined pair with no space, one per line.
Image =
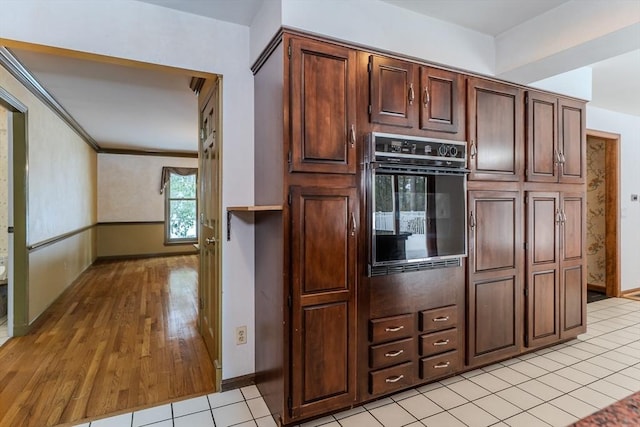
416,215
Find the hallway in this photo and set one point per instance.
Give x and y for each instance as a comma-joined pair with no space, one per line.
122,337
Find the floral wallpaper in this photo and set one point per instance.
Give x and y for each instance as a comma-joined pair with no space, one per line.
596,256
4,183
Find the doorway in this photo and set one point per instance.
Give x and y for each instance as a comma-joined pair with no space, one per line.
603,239
5,207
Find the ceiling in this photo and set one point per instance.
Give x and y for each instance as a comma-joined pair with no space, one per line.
153,110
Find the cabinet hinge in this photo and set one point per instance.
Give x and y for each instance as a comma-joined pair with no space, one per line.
289,301
289,157
526,340
369,67
289,199
526,246
370,108
526,98
201,304
289,50
290,406
526,292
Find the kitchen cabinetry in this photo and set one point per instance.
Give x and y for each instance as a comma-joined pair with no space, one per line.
323,298
495,130
323,107
555,139
393,91
556,291
494,283
306,256
399,99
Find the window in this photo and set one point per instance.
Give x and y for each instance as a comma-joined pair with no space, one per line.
181,206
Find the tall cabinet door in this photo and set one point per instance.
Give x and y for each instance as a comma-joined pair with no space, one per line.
543,155
494,276
573,279
393,91
543,281
495,120
572,141
323,107
442,103
323,334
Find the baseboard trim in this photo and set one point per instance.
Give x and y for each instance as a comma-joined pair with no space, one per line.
597,288
238,382
143,256
630,291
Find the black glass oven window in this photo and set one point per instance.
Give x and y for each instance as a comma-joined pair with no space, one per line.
418,217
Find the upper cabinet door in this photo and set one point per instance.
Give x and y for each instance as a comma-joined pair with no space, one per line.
572,141
442,103
323,107
495,121
543,155
393,92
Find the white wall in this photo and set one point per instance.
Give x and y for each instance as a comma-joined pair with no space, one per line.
388,27
129,186
148,33
628,127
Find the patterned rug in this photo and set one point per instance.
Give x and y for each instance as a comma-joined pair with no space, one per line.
625,412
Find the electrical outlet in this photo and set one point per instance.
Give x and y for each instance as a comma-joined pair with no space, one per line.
241,335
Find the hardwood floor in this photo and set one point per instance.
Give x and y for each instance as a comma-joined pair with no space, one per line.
124,336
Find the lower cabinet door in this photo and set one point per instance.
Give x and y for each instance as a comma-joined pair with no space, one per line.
323,334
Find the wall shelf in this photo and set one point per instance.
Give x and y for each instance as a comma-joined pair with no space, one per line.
252,208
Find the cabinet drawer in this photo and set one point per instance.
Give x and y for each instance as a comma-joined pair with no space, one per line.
392,353
391,328
438,342
438,366
390,379
438,319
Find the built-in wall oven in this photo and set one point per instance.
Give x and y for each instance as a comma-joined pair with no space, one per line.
416,203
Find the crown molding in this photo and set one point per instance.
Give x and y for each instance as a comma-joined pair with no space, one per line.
24,76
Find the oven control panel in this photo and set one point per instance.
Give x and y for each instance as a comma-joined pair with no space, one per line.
412,150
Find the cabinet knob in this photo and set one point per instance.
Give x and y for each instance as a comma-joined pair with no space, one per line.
472,149
441,342
472,220
440,319
394,353
442,365
412,95
353,224
427,98
394,328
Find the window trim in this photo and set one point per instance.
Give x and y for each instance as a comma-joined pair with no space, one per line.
166,189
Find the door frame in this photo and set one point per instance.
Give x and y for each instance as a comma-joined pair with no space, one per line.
18,260
612,209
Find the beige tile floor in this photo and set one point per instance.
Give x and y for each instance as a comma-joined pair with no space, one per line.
551,387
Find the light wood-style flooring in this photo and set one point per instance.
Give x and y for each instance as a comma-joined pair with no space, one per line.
124,336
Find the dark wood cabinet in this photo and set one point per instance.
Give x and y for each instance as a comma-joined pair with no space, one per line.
393,91
555,139
572,141
401,92
495,130
543,262
543,156
556,285
442,103
573,279
323,249
323,107
494,276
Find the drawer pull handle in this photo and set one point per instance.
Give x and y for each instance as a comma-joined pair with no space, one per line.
394,353
394,328
441,342
394,379
441,319
442,365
